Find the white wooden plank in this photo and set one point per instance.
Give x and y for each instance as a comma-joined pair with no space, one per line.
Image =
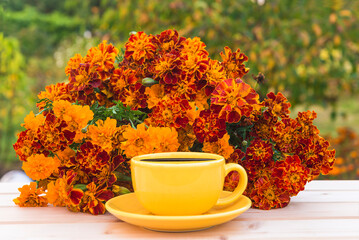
332,185
327,196
276,229
294,211
326,185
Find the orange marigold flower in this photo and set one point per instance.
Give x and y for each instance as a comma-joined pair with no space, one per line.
140,47
30,196
58,91
290,175
39,167
137,141
276,106
54,193
233,99
33,122
154,94
208,127
75,116
94,199
163,139
194,46
201,100
102,133
214,75
221,147
233,63
102,59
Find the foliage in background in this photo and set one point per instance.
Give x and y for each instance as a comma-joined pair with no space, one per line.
307,49
346,165
14,104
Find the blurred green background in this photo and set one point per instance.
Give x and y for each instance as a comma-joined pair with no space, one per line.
308,50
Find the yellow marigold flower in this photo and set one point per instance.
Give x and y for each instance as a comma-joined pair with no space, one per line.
103,133
39,167
33,122
137,141
163,139
55,194
220,147
30,196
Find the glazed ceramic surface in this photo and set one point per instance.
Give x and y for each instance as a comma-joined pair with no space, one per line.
130,210
186,183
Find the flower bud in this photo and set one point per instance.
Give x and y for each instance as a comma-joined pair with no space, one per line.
148,82
244,143
132,33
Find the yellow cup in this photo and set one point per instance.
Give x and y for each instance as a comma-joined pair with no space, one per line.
183,183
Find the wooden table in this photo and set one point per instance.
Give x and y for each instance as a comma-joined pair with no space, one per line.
325,210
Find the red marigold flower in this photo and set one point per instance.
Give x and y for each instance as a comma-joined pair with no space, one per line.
54,134
170,112
169,40
91,158
290,174
260,152
233,63
234,99
94,199
166,68
266,195
277,106
208,127
120,79
140,47
286,134
134,96
315,155
305,119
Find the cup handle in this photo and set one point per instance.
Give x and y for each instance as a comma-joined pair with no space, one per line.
242,184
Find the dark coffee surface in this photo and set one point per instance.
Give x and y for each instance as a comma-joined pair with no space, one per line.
176,159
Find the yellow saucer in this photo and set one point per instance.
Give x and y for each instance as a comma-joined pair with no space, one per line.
127,208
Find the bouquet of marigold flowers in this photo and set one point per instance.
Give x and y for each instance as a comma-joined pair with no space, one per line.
161,93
